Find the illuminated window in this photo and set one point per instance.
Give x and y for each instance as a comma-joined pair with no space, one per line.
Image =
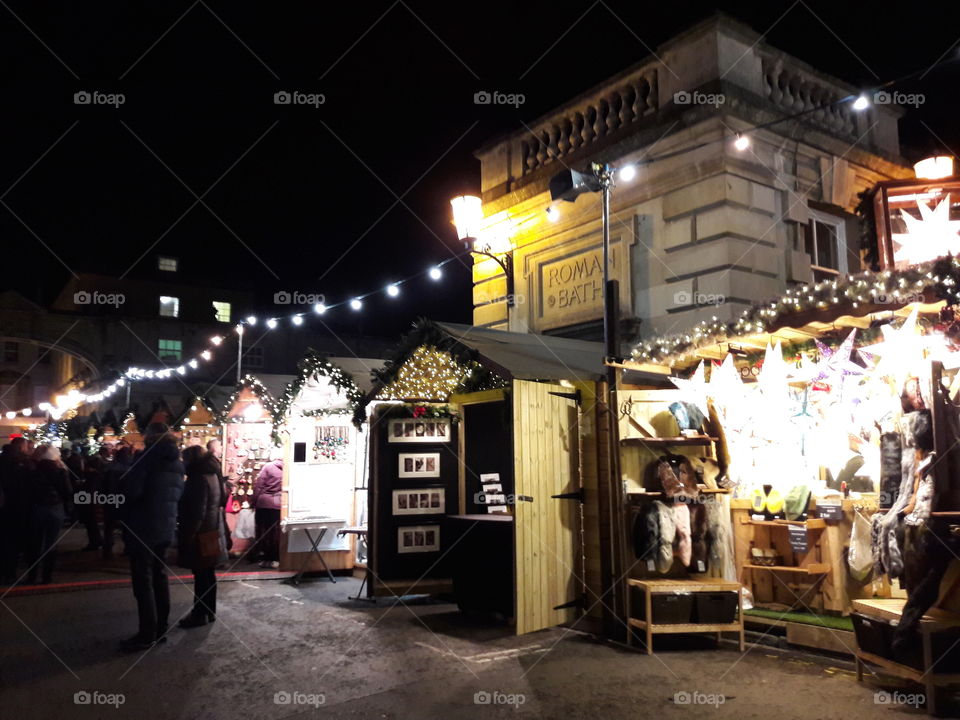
169,306
221,310
167,264
824,240
170,350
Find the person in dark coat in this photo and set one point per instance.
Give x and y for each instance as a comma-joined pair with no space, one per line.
16,468
151,490
112,482
51,502
201,513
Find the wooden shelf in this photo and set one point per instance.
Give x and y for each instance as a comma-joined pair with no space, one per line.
675,585
811,524
906,671
812,569
699,440
665,629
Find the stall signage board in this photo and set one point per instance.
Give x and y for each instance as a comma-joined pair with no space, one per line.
798,538
830,511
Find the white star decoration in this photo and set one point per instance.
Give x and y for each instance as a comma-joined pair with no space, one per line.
694,389
899,352
931,236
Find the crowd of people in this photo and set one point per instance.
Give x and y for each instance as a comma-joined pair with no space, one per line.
156,498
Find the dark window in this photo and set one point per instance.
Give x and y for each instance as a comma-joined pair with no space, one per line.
11,352
253,358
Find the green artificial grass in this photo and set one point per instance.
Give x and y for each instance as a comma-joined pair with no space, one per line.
827,621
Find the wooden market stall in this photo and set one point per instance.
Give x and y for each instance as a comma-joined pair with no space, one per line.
198,422
249,442
325,463
811,402
483,473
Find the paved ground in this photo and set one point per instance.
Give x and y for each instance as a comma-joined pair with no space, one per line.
311,643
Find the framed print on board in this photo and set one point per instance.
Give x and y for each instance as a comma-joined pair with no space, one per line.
422,465
419,430
418,538
419,501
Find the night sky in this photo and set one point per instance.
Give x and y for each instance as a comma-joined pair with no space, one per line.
342,198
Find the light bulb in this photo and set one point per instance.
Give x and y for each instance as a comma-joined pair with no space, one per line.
216,339
251,320
356,304
393,290
27,412
628,172
272,323
297,320
205,354
11,414
319,308
861,103
742,142
553,214
436,273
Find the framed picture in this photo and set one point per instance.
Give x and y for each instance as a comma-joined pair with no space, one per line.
419,501
418,538
414,465
419,430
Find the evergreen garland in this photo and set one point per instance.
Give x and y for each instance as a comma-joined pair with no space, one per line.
893,288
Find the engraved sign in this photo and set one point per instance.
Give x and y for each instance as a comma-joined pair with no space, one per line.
571,286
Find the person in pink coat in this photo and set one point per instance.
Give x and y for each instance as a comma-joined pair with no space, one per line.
266,502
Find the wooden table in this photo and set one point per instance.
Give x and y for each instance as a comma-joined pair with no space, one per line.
678,586
890,610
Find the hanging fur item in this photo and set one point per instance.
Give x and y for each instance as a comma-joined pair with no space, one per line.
684,545
668,534
698,537
646,533
891,451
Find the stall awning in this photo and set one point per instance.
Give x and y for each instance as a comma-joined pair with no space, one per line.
525,356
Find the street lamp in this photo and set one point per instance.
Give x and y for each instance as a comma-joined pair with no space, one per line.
568,186
468,219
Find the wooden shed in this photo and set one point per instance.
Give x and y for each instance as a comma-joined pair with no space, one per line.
484,468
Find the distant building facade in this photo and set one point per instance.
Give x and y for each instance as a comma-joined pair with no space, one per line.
99,326
704,229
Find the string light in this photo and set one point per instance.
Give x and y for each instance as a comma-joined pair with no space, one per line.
356,303
436,273
393,290
272,323
297,320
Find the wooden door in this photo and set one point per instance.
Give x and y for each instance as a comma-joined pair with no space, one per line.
546,529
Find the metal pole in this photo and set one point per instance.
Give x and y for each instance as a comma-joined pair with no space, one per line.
239,351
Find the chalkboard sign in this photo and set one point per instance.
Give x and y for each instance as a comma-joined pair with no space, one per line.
831,512
798,538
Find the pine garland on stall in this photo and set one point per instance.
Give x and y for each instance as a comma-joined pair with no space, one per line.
314,364
890,287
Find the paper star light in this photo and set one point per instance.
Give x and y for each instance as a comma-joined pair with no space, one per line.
694,389
837,362
773,374
899,351
928,237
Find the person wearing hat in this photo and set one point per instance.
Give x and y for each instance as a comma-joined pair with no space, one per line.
151,492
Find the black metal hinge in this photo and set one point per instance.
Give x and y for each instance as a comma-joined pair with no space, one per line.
576,495
576,396
579,602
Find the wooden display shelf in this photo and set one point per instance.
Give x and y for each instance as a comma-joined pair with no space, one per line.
667,628
811,569
673,586
681,440
811,523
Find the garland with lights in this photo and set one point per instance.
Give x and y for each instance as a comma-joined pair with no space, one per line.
890,287
311,365
418,411
428,364
191,407
249,382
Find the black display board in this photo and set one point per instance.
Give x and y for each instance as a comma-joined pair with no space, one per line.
388,562
488,449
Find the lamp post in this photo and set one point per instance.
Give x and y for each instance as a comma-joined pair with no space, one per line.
468,219
567,186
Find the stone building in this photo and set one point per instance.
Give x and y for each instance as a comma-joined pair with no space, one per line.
704,228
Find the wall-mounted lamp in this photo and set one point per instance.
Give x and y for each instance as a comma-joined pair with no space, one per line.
468,219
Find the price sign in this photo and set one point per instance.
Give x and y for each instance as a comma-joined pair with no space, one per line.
830,511
798,538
